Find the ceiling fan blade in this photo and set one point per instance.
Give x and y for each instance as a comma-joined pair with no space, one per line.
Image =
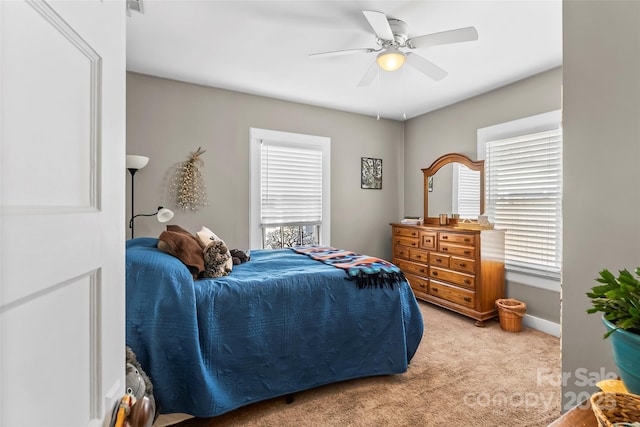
452,36
426,67
379,23
341,52
371,74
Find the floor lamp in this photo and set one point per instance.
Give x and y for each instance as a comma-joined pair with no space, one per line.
134,163
163,215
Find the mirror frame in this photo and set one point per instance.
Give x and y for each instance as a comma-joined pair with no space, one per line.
435,167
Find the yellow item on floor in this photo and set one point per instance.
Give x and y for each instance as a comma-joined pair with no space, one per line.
612,386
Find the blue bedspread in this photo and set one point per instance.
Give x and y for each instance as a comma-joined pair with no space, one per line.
278,324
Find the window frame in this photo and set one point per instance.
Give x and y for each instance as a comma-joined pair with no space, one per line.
528,125
256,136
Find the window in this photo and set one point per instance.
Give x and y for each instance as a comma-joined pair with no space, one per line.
523,183
289,189
466,191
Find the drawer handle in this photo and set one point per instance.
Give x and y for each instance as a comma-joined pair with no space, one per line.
413,244
462,264
445,237
438,259
421,270
434,289
419,256
445,249
467,299
414,233
434,273
467,252
467,281
467,240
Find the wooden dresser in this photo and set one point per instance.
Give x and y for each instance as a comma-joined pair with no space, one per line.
462,270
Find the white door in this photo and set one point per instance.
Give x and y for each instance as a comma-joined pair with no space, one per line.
62,172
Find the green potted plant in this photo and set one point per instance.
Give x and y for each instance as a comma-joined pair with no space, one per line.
619,299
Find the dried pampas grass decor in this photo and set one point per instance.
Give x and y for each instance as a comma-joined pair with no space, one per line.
187,186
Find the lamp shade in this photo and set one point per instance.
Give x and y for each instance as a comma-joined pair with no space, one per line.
164,215
136,162
390,59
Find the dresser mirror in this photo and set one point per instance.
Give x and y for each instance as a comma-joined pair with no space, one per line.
441,196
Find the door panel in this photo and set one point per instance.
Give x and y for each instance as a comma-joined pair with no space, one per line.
62,178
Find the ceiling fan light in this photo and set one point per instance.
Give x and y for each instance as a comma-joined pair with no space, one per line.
391,59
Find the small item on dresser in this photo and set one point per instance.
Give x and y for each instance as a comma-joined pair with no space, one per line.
444,219
412,220
483,220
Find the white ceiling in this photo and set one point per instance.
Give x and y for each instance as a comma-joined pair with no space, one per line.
262,48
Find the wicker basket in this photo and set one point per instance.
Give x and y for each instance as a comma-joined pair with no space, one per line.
612,408
510,312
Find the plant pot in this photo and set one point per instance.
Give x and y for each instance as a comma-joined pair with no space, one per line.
626,354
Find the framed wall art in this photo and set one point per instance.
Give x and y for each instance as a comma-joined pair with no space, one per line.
370,173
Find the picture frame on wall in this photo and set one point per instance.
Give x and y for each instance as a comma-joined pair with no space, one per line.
371,173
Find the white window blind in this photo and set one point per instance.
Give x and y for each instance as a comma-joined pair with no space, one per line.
291,184
466,191
524,196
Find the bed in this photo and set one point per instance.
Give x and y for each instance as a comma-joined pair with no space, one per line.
278,324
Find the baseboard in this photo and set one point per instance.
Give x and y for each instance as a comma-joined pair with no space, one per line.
541,325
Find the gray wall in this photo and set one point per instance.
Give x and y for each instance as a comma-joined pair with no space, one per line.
167,120
454,129
601,111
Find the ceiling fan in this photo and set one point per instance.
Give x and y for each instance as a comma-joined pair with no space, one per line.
392,36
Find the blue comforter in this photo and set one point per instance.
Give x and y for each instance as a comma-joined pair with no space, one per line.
278,324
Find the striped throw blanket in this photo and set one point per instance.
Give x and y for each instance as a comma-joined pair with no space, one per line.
366,271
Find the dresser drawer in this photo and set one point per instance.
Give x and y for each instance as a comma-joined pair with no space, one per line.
450,249
458,238
439,260
419,255
406,241
419,285
461,264
406,232
401,251
413,268
461,279
428,240
451,293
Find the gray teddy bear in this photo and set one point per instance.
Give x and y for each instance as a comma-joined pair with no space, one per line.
216,257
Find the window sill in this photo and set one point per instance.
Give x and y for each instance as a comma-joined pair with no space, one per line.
533,280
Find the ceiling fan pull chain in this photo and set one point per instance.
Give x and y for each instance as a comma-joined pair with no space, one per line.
404,92
378,95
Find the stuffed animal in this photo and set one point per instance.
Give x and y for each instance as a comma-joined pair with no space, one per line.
216,260
239,256
135,382
142,409
136,379
206,236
